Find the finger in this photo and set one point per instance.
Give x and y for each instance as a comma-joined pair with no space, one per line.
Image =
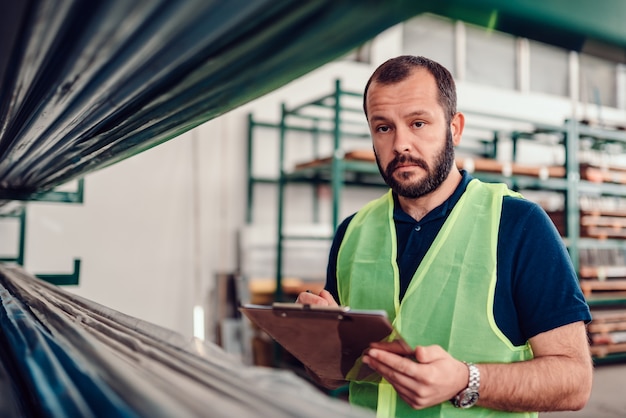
393,360
395,346
308,298
409,389
394,368
409,385
325,294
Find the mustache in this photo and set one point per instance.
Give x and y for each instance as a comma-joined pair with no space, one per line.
403,159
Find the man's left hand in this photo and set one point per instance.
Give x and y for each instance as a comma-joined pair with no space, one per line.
433,376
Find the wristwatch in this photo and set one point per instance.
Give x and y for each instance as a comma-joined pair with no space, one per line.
468,396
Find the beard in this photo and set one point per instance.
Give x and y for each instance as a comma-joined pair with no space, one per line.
436,175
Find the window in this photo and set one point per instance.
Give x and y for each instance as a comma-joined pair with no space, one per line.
497,59
430,36
362,53
491,58
549,69
598,81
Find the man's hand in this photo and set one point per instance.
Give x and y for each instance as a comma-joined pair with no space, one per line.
430,378
323,299
557,379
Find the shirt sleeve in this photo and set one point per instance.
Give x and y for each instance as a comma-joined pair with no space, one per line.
544,286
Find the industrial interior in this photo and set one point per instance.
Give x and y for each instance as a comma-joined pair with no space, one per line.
164,162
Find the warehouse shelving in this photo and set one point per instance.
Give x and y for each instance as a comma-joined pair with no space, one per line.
10,212
572,177
321,122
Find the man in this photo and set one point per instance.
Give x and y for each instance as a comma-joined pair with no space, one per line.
472,275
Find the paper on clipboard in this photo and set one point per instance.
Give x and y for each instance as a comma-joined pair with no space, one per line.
329,341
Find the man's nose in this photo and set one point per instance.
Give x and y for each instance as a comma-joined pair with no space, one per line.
401,141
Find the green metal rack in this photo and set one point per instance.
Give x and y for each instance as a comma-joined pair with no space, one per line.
330,125
19,215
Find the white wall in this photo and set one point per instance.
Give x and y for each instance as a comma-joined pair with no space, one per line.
154,230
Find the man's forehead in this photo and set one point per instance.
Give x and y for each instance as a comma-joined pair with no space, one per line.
419,78
420,84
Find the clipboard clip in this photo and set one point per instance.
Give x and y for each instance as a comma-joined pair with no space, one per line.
308,307
286,309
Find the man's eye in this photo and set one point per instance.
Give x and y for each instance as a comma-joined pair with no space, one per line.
418,124
383,129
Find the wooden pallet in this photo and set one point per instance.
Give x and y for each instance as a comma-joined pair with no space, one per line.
607,332
608,321
486,165
602,232
489,165
356,155
589,286
593,223
603,175
602,272
596,224
606,349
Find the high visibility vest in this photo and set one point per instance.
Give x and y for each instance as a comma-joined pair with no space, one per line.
449,301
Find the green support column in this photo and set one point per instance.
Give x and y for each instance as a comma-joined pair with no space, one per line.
571,197
316,178
250,185
337,165
20,215
281,201
22,243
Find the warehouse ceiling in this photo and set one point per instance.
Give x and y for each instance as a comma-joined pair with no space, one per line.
86,84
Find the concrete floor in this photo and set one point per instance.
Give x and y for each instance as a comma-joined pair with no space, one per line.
608,396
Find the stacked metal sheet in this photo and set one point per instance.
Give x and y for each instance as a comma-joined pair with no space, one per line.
86,84
62,355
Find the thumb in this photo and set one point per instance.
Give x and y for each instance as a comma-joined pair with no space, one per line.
430,353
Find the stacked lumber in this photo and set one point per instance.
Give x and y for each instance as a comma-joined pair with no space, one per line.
593,224
607,332
590,287
601,217
602,226
354,155
471,164
602,270
589,172
613,174
507,169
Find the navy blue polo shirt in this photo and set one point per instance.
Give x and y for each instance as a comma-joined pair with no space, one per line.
537,288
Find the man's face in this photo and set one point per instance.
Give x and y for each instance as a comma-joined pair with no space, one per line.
403,184
413,142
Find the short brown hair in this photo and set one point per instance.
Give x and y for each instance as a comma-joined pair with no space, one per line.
397,69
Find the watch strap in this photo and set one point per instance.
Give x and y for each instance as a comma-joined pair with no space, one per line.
469,396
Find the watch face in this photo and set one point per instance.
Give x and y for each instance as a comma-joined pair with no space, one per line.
468,398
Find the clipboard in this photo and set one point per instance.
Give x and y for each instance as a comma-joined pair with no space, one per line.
328,340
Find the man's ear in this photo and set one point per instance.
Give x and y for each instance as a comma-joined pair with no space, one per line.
456,127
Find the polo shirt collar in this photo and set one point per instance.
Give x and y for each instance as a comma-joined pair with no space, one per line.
440,211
